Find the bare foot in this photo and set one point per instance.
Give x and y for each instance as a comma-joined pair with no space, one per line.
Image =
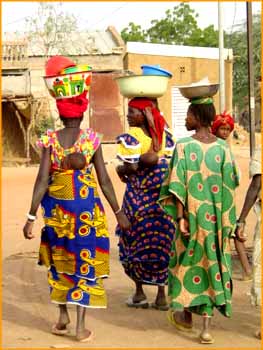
138,297
84,335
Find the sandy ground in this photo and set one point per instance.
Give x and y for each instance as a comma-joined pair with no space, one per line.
28,314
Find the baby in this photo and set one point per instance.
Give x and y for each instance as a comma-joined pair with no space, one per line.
74,161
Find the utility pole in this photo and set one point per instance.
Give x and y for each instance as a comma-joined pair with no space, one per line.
221,58
251,93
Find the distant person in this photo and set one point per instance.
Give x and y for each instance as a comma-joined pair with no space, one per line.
75,240
253,198
144,249
222,127
199,191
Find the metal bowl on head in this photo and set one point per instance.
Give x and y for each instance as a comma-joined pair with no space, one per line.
152,86
198,91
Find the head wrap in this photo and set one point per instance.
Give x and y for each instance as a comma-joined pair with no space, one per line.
201,101
73,107
156,125
56,64
222,119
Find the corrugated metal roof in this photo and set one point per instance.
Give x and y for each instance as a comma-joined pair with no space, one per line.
76,44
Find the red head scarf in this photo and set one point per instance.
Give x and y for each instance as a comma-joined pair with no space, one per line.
56,64
72,107
222,119
156,126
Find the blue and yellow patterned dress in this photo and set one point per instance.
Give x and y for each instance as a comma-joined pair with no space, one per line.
75,240
144,250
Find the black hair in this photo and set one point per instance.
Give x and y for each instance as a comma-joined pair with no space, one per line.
205,113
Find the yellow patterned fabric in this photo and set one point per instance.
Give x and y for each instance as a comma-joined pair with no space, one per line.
135,143
75,239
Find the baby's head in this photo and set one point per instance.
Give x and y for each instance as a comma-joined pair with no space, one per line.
74,161
223,125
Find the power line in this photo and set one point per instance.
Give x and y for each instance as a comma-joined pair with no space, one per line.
107,16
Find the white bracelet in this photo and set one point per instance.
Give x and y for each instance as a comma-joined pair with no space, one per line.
118,211
31,217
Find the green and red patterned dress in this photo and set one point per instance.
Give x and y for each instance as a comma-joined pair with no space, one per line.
203,177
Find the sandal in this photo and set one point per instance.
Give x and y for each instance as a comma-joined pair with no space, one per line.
57,331
160,307
143,304
181,326
206,339
88,338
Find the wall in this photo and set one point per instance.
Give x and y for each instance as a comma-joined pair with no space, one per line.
185,70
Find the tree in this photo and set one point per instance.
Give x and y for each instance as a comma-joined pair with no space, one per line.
133,33
179,27
238,42
50,28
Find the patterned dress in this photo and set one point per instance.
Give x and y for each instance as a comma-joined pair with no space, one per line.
203,177
145,249
75,240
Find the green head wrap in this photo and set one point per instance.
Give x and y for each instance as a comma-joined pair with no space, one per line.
201,101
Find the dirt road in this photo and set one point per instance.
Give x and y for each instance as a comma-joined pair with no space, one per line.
28,315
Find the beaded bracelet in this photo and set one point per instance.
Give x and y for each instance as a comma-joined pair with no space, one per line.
31,217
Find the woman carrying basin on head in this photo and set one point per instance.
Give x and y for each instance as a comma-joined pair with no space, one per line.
199,193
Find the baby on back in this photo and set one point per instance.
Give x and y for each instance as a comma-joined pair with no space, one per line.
74,161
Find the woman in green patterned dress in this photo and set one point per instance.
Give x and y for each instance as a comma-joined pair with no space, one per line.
199,193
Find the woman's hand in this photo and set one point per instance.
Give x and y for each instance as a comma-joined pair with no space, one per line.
27,230
184,227
123,221
241,236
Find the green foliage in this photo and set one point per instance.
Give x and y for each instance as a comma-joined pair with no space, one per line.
133,33
50,27
179,27
238,42
42,124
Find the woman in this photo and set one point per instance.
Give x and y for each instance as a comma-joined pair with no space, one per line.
222,127
253,197
199,192
144,249
75,240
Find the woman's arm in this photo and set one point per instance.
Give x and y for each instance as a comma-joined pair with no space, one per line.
40,187
250,199
108,190
181,220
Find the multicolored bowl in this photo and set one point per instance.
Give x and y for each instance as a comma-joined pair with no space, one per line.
71,82
143,85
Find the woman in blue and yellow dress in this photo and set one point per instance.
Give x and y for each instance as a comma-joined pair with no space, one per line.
144,249
75,239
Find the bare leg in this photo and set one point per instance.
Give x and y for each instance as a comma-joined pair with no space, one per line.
160,297
82,334
139,293
240,248
63,319
205,336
